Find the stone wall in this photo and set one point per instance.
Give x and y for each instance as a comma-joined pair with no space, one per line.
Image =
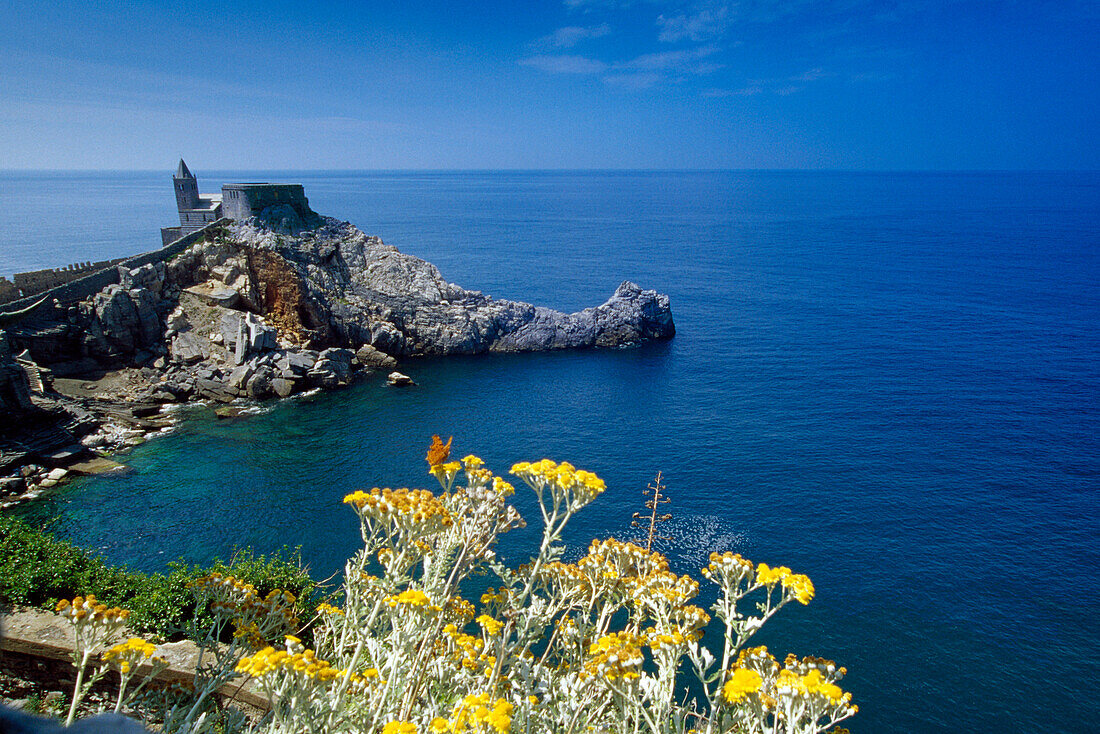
88,285
242,201
8,291
37,281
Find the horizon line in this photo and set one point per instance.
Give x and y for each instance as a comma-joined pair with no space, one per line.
560,170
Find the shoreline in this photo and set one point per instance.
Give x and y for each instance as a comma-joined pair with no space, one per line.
263,309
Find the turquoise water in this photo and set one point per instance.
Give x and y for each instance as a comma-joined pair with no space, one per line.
887,381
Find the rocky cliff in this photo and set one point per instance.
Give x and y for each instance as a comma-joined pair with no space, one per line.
262,309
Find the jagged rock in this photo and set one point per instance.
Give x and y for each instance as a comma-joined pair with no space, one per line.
214,390
149,277
330,373
12,485
177,320
282,387
337,355
188,348
366,292
238,378
216,294
296,363
399,380
282,219
173,390
374,359
227,273
246,334
259,385
15,396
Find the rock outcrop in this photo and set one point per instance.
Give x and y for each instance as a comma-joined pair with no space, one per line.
352,289
272,307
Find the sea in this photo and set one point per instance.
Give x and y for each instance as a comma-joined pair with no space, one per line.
887,381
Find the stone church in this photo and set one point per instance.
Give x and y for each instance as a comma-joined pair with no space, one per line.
237,201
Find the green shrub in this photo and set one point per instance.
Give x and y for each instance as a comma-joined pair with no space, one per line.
38,570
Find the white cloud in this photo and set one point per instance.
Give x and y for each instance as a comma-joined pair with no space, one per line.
810,75
565,64
570,36
705,24
636,80
686,61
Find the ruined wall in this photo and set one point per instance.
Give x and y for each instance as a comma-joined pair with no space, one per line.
88,285
8,291
37,281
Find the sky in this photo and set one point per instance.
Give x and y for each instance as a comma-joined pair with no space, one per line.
550,84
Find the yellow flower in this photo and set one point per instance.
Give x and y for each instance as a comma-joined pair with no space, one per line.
399,727
439,725
490,625
741,684
799,586
411,597
616,655
474,713
326,608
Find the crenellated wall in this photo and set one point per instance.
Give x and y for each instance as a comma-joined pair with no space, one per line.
37,281
90,284
8,291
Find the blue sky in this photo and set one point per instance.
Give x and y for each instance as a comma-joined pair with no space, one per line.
848,84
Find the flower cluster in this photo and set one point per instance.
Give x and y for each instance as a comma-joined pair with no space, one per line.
796,585
468,650
299,662
477,713
412,512
741,683
126,656
615,656
574,487
255,619
86,610
600,644
728,568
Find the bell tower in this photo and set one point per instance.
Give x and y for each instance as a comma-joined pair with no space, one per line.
187,190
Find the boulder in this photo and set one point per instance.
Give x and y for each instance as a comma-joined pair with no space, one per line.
215,294
149,276
282,387
296,363
374,359
259,385
399,380
239,377
188,348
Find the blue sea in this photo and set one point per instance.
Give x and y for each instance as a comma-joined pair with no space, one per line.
888,381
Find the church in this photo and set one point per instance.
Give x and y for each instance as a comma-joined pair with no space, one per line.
239,201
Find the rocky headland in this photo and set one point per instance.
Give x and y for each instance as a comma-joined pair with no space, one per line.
266,308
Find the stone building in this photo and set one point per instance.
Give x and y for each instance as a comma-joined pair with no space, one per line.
287,204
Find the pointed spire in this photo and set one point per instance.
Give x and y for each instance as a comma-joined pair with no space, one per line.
182,171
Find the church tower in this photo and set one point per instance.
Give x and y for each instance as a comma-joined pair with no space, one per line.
187,190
